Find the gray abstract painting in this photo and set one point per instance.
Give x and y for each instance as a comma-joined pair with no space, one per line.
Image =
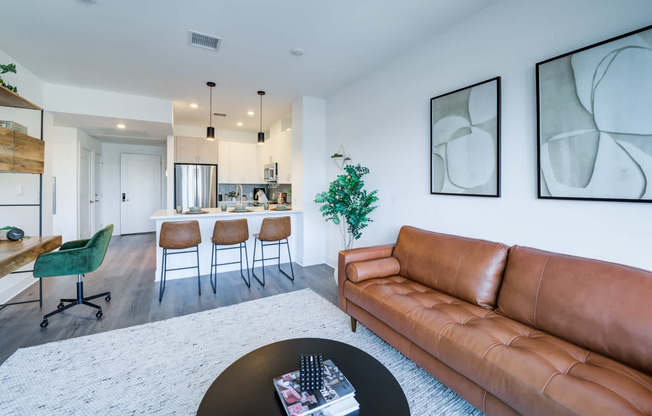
595,121
465,141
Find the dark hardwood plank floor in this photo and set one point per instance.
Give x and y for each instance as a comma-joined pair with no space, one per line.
128,272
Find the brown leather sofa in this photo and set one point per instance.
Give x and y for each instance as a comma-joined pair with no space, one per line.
511,330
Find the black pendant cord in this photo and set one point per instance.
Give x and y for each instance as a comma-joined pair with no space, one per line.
210,117
261,112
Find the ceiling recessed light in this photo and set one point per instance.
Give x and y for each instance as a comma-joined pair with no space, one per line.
296,51
239,123
193,105
121,126
250,113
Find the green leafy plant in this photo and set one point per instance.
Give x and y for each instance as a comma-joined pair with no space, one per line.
3,70
347,204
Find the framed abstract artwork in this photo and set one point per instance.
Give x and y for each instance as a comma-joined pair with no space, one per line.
465,141
594,108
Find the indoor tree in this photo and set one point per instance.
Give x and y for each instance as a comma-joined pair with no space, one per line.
347,204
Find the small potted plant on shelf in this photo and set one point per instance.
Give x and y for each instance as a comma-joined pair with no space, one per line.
3,70
348,204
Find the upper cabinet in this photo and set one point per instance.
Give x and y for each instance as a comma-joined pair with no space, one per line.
237,163
278,149
196,150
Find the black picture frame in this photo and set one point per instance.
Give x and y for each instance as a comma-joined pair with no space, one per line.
594,121
465,141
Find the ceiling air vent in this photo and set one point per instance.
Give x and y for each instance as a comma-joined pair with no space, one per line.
202,40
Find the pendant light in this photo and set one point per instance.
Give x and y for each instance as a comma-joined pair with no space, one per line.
210,130
261,134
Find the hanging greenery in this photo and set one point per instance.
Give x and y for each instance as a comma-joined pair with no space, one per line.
347,204
3,70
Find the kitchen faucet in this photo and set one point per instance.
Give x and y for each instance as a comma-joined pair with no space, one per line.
241,191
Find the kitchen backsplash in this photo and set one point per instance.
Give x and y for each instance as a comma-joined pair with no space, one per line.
271,190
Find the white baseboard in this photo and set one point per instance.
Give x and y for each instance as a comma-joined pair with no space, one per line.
21,282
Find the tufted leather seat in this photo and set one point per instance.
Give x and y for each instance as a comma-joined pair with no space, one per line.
499,364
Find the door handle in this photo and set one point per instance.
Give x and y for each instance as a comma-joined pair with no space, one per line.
91,201
124,197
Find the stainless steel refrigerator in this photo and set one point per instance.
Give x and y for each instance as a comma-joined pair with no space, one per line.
195,185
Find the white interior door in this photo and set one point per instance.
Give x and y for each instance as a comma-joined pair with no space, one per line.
85,193
97,193
140,188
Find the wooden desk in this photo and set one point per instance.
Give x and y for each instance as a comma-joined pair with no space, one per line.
16,254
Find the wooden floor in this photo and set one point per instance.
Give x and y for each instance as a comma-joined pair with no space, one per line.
128,272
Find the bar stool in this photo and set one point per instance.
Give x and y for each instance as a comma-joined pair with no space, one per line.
229,233
273,231
178,235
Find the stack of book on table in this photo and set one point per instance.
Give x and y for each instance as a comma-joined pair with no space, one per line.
335,399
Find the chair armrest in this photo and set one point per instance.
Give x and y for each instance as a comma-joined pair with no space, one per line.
65,262
73,244
357,254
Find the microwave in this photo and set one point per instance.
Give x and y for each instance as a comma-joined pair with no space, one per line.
270,172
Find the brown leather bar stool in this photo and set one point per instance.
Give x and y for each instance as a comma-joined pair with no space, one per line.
229,233
273,231
178,235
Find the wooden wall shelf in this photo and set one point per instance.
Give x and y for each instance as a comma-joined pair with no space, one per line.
11,99
20,152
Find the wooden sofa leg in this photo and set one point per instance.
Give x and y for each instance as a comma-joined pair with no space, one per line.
354,324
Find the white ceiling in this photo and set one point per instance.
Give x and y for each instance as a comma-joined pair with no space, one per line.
141,47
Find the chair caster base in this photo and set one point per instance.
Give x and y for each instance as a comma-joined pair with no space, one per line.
44,323
99,314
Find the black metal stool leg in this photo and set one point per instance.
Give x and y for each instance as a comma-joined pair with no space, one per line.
161,287
289,257
247,281
213,265
198,277
253,266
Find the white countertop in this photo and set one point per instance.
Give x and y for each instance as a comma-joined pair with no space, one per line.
170,214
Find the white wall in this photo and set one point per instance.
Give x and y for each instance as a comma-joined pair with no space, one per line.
65,167
76,100
309,176
111,173
383,122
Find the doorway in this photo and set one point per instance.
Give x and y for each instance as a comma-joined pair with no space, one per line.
140,192
85,193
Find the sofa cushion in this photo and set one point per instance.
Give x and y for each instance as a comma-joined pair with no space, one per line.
526,368
364,270
601,306
529,369
465,268
409,308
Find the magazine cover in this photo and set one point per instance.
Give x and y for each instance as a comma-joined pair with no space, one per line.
297,402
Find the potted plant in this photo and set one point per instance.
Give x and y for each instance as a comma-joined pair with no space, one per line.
3,70
347,204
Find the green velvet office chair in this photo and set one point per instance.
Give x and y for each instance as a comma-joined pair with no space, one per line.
76,257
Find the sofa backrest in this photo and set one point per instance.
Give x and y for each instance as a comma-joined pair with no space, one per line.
466,268
601,306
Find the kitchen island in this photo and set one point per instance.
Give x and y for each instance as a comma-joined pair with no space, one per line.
206,223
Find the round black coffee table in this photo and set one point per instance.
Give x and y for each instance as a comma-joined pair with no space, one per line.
245,387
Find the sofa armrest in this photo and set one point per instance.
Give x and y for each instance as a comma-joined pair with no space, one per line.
357,254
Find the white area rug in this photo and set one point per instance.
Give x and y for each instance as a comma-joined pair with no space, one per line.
164,368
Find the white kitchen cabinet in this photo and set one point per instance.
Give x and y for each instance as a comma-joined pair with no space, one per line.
237,163
196,150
